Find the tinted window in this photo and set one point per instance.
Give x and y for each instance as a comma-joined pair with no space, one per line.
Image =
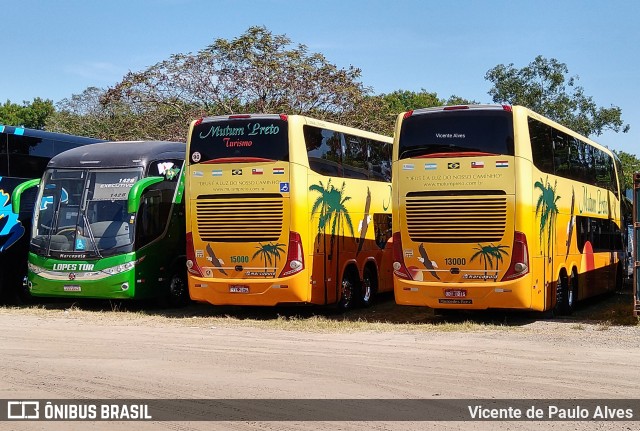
556,152
28,156
324,150
339,154
380,160
4,160
242,138
456,131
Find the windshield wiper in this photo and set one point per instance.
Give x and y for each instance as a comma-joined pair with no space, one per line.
90,232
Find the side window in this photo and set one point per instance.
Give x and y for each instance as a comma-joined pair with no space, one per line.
382,228
380,160
324,150
4,159
355,157
152,216
561,151
155,205
604,170
169,169
620,177
541,145
28,156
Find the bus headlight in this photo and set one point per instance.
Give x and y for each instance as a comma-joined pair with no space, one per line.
34,268
119,268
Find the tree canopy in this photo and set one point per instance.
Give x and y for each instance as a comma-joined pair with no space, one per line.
543,86
256,72
29,114
630,164
265,73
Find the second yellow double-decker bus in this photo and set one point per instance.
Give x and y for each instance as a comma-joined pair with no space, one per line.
500,207
287,209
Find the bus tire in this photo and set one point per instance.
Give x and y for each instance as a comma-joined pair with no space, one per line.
369,286
348,290
560,306
178,295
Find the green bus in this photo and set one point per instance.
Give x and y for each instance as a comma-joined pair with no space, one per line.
109,223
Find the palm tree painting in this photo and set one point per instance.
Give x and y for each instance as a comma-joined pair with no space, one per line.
548,209
487,253
498,251
321,203
332,210
267,252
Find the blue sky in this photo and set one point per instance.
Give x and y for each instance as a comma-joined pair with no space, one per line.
54,49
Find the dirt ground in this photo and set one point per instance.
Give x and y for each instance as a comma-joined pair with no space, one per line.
63,351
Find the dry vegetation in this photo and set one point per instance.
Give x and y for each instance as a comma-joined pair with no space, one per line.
599,314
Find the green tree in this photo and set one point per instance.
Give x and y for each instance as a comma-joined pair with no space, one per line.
630,165
30,114
255,72
378,113
91,114
544,87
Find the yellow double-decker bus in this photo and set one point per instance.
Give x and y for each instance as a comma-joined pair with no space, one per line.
500,207
287,210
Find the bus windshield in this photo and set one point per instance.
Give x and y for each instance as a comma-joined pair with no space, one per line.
448,133
246,139
84,212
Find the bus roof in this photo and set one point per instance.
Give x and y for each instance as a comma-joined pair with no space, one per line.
118,154
287,117
43,134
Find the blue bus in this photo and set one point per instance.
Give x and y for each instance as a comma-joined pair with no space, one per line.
24,154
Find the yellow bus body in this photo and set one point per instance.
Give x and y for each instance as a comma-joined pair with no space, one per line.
269,232
461,217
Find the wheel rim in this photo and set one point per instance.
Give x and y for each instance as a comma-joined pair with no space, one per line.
177,288
347,292
560,292
571,291
366,288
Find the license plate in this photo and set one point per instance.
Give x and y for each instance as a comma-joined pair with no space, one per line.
455,293
72,288
238,289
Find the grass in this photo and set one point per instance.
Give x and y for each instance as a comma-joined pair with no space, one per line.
601,314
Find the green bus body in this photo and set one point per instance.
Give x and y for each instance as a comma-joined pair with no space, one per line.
136,253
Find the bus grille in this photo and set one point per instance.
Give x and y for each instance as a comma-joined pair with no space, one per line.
456,219
253,219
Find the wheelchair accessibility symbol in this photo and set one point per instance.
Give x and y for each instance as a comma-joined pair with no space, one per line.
284,187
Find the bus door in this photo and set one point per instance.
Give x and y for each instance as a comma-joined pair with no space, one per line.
550,281
323,277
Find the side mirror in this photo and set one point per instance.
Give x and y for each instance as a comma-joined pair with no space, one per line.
133,201
17,193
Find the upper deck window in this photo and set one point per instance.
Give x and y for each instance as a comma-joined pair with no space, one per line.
439,133
252,138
